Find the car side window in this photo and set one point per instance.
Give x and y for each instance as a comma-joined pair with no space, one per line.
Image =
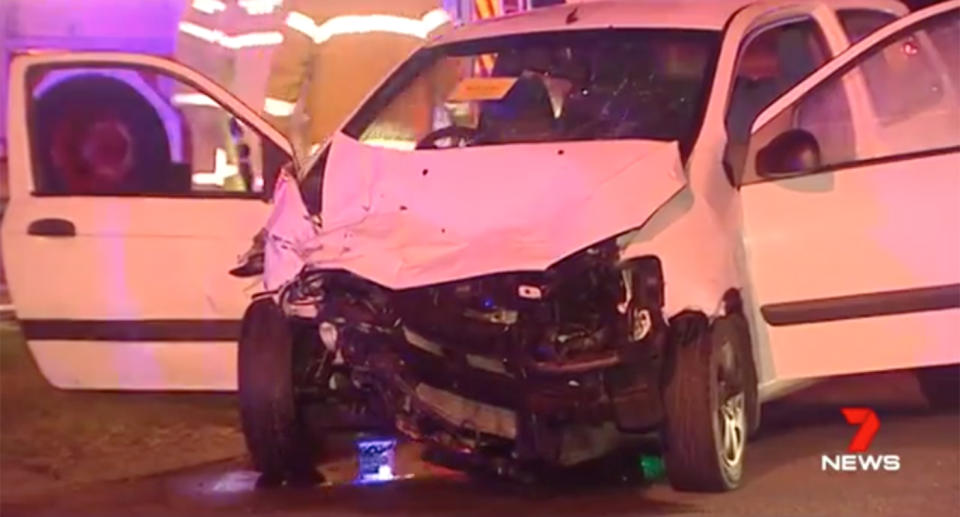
132,130
904,78
860,23
772,61
945,37
913,104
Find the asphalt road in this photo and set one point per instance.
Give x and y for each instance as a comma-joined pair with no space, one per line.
784,477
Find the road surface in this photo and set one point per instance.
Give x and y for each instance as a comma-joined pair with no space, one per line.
784,476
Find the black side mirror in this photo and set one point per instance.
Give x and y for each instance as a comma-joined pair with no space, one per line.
792,152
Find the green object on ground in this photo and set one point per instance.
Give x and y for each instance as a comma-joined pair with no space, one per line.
652,467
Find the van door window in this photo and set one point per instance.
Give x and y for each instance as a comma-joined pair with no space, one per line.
135,131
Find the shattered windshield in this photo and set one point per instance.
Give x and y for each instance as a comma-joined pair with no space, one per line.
544,87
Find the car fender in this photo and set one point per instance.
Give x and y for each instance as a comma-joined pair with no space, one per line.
696,253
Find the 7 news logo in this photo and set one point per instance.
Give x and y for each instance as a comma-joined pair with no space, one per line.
857,459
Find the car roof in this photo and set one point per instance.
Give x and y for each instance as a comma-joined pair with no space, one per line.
609,14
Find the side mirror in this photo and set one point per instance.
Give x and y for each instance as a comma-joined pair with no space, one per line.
792,152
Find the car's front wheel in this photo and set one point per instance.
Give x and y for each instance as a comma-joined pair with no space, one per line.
706,398
276,437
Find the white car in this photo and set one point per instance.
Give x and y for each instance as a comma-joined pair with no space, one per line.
544,236
548,235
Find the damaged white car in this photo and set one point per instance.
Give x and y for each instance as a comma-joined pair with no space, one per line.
550,234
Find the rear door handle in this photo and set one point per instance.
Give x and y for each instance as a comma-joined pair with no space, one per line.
52,227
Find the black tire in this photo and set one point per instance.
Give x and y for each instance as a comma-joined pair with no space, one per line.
97,134
941,386
276,437
704,372
751,384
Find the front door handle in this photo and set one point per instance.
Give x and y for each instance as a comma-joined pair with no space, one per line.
52,227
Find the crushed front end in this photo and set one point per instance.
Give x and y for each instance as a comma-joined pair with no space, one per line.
553,367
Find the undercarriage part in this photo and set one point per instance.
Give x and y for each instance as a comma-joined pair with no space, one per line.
941,385
473,416
481,465
551,367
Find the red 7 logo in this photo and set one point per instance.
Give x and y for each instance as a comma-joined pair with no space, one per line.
869,425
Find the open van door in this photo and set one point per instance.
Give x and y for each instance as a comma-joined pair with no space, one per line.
135,183
850,207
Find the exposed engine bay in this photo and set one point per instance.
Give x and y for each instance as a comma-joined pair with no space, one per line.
552,367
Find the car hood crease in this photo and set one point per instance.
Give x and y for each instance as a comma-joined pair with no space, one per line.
406,219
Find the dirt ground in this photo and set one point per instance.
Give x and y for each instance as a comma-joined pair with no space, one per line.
52,439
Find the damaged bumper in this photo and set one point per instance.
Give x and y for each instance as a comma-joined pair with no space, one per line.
552,366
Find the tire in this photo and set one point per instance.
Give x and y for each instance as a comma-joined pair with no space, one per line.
98,135
941,386
276,437
703,372
751,384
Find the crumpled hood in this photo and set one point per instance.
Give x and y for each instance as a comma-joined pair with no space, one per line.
406,219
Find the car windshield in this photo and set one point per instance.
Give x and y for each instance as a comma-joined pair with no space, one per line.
544,87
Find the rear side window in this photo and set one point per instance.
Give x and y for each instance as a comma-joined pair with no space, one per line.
859,23
945,38
908,76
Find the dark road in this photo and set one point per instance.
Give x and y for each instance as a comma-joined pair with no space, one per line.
784,476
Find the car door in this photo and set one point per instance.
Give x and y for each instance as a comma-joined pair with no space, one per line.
850,207
134,186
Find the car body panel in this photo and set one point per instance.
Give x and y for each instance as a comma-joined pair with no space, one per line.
694,224
701,266
855,268
112,306
883,245
407,219
686,14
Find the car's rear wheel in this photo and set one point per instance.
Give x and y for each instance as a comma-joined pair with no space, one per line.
941,385
706,402
276,436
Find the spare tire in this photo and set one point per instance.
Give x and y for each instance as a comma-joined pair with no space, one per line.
98,135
